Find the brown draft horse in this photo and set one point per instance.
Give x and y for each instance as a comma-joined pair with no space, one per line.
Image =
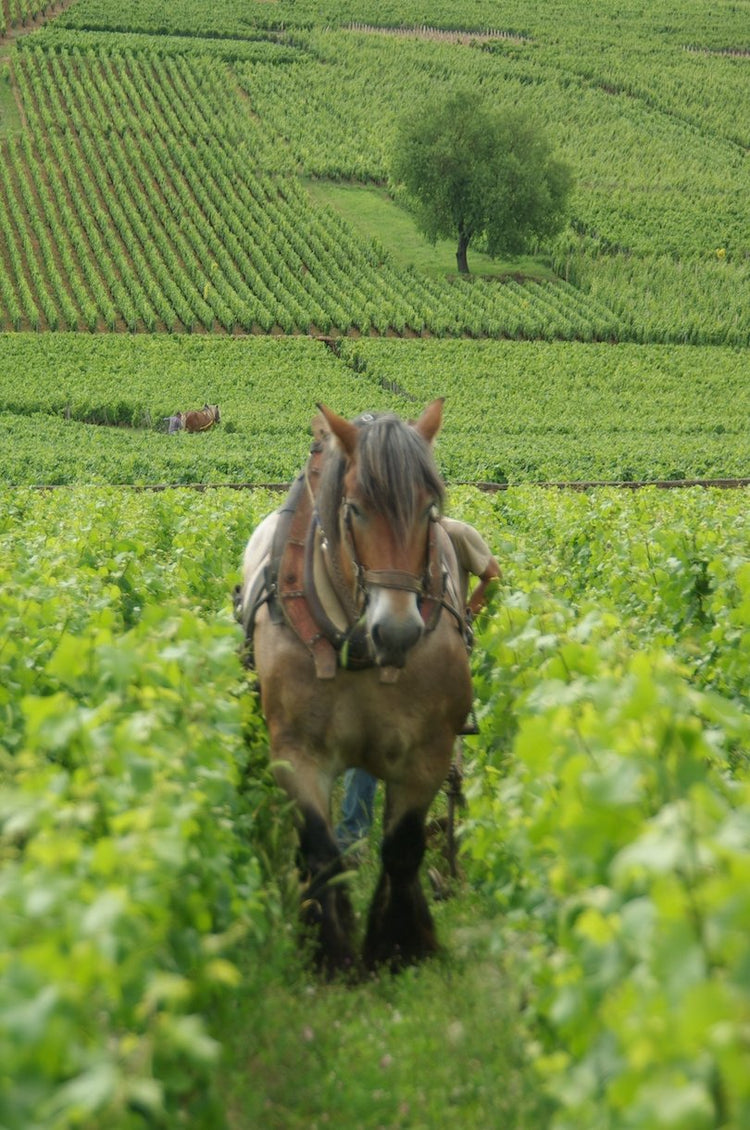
350,605
201,421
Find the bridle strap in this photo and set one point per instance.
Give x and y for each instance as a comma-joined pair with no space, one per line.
393,579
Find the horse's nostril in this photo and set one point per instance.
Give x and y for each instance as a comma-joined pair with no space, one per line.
392,639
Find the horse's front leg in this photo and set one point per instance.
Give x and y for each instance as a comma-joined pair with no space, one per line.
400,929
326,909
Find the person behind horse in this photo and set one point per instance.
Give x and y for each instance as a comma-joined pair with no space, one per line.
475,558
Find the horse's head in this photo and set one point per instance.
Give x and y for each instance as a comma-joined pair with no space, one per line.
387,492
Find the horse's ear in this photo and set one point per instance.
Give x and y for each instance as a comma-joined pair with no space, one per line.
319,428
345,432
428,424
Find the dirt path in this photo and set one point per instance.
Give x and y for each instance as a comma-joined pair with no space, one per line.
14,33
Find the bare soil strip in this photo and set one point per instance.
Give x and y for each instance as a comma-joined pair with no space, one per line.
732,52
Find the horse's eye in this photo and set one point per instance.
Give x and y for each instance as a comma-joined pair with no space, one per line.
354,510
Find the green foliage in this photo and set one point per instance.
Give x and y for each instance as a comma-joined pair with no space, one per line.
516,411
128,876
550,412
132,383
433,1047
206,229
177,206
148,181
607,823
472,170
609,806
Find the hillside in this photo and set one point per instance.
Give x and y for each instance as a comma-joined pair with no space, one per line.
151,170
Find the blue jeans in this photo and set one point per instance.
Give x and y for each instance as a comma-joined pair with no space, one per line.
356,807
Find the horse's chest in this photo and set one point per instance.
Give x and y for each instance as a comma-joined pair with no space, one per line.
379,724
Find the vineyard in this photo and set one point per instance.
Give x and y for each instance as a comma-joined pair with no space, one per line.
172,233
608,808
143,197
156,184
610,813
515,412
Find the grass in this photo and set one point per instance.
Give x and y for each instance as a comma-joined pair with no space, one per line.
376,216
439,1046
10,122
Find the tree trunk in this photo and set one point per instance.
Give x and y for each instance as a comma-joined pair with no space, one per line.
463,246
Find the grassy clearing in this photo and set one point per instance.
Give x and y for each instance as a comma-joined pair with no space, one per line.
376,215
439,1046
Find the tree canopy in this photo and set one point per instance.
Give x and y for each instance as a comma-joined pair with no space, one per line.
471,169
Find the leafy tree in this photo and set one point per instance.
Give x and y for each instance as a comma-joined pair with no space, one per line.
470,169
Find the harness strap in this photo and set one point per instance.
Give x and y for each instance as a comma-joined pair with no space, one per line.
291,576
436,577
344,594
351,644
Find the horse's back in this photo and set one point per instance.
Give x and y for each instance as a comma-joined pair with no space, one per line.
201,421
256,558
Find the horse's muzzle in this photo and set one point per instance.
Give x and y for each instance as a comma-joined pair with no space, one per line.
394,636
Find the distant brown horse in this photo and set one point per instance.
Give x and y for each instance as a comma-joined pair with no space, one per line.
350,605
201,421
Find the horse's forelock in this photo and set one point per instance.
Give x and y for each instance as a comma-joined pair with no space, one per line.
394,467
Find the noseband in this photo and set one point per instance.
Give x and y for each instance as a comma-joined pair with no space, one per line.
400,579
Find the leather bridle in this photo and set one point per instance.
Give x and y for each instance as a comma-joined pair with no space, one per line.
399,579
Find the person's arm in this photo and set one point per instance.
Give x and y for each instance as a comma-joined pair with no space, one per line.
479,595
